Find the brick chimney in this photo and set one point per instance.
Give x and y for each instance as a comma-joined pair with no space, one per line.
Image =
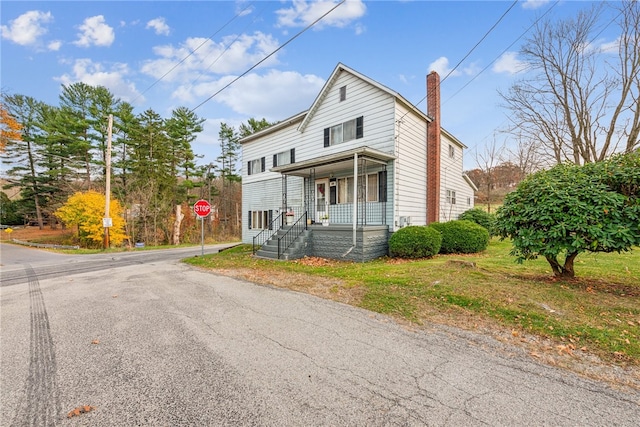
433,148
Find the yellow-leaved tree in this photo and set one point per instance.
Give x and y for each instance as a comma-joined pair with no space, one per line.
9,128
86,210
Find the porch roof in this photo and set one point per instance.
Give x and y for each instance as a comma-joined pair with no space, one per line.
331,162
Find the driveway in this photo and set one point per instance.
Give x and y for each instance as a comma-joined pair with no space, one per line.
157,342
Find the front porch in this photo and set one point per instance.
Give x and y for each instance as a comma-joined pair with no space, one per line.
344,211
326,241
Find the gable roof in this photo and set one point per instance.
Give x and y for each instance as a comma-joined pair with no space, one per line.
334,75
266,131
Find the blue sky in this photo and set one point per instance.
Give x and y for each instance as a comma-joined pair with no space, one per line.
137,49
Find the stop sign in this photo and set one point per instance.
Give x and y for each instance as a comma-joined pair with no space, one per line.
202,208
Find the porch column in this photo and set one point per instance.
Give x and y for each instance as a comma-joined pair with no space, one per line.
355,196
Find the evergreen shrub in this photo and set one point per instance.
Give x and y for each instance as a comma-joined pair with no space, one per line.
461,237
415,242
482,218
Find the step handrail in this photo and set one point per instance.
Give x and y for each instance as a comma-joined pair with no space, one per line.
292,234
267,233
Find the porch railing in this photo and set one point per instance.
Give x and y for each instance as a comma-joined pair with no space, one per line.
370,213
292,234
267,233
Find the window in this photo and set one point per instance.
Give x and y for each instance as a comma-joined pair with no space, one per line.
372,188
345,190
452,151
343,93
284,158
256,166
260,220
451,197
347,131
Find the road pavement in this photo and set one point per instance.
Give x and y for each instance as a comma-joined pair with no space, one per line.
160,343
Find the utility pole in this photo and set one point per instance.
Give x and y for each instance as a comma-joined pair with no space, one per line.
106,221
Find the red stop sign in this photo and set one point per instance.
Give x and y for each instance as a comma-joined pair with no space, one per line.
202,208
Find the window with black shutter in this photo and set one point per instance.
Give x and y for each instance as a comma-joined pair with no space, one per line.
382,186
359,127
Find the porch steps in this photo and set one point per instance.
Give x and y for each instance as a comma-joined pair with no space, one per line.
295,251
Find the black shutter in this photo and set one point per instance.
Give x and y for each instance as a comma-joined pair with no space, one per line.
249,168
382,186
263,164
249,222
359,127
326,136
275,160
333,199
270,219
293,155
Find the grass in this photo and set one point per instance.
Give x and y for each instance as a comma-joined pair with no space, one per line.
597,312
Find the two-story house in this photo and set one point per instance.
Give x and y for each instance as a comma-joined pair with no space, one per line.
360,163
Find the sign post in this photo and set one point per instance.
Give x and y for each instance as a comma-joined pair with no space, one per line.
202,209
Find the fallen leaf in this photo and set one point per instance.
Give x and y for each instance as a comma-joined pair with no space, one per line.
114,296
95,342
80,410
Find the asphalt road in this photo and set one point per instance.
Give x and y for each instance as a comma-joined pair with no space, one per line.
149,341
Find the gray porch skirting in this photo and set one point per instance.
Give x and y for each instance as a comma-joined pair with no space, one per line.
336,242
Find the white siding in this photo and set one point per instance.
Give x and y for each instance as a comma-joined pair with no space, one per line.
266,195
451,178
375,105
410,167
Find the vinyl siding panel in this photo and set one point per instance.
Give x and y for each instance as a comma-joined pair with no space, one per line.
375,105
410,167
451,178
266,194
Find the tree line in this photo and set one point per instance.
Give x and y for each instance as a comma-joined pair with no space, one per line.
57,151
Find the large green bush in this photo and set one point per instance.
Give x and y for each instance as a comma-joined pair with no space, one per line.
482,218
461,237
566,210
415,242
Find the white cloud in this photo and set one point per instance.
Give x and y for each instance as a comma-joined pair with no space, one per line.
94,31
274,96
509,63
611,47
159,26
27,28
303,13
54,45
200,57
534,4
95,74
441,66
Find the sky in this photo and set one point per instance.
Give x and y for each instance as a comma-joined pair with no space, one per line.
162,55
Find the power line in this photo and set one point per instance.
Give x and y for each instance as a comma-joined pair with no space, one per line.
503,52
472,49
192,52
481,40
268,56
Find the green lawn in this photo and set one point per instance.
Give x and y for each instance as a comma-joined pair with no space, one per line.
598,311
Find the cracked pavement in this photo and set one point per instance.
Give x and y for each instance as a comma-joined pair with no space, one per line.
161,343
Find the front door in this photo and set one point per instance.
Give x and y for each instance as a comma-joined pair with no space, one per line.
322,199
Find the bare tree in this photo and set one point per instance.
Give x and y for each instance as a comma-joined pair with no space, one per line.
487,160
578,102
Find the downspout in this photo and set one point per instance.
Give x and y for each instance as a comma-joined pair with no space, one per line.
355,203
355,198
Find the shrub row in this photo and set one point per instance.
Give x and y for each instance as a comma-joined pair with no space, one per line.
460,236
